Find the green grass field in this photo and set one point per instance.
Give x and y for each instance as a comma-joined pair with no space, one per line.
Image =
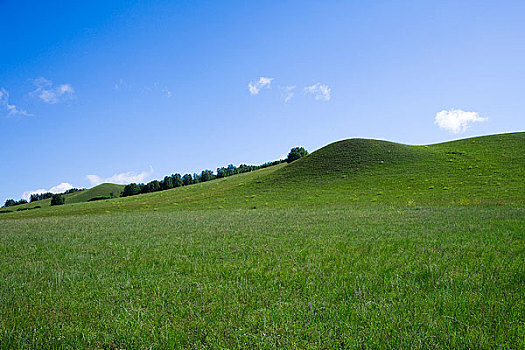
361,244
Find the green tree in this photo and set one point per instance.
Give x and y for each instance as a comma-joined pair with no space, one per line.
131,190
206,175
57,199
177,180
296,153
231,170
196,178
152,186
187,179
167,183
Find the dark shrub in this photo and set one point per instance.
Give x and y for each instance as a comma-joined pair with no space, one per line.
99,198
57,199
296,153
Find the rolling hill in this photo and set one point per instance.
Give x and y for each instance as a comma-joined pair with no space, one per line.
356,172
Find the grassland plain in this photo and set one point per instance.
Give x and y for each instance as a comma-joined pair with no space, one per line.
361,244
292,278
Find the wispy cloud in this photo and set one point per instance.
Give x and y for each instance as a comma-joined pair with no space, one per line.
255,87
62,187
158,88
166,92
163,89
46,92
320,91
456,120
122,178
287,92
120,85
10,109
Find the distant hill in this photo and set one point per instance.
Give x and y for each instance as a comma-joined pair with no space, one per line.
484,170
102,190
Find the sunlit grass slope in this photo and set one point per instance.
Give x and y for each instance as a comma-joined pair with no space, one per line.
483,170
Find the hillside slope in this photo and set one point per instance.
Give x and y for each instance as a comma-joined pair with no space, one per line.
483,170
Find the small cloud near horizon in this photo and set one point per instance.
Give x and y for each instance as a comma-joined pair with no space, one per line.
62,187
122,178
320,91
46,92
11,109
456,120
262,83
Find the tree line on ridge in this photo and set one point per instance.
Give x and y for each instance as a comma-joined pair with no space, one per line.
171,181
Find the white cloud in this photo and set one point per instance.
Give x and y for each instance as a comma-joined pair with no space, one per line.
287,92
11,110
45,91
122,178
456,120
60,188
261,84
320,91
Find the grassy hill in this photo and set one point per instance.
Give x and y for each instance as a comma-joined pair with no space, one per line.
102,190
362,244
482,170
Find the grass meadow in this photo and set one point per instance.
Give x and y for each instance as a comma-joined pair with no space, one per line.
362,244
381,277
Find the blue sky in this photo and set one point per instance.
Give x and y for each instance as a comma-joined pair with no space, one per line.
124,90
